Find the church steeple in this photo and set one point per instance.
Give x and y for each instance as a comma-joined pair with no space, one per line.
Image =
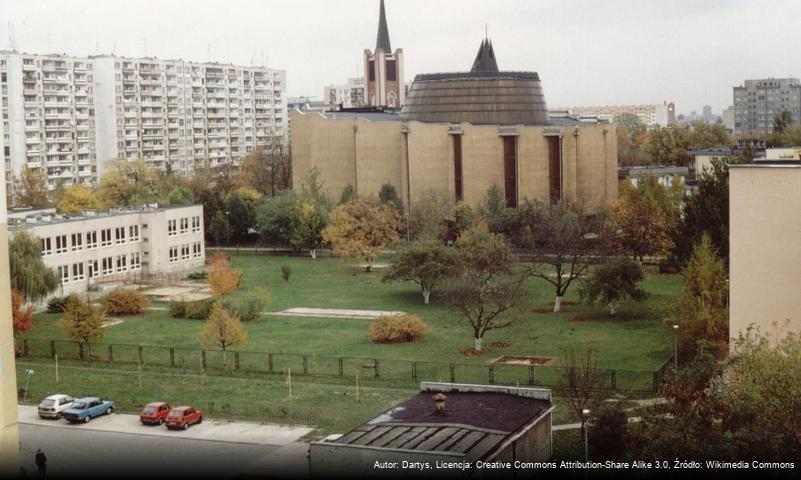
383,32
485,59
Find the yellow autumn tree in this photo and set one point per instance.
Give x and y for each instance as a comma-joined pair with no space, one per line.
77,198
222,330
223,280
361,228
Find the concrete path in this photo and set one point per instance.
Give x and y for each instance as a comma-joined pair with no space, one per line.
332,313
210,430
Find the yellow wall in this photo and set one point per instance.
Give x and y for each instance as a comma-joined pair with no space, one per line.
589,166
9,436
765,258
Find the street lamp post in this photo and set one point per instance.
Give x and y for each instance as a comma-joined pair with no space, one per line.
676,347
585,420
27,381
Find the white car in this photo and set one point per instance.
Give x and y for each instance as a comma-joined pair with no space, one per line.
54,405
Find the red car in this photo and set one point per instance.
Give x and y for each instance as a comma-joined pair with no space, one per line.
183,417
154,413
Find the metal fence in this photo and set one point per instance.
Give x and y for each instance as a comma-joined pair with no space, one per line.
383,371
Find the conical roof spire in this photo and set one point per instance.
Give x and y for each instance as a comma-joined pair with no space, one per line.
383,32
485,59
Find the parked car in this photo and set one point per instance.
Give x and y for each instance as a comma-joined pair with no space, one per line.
183,417
54,405
87,408
154,413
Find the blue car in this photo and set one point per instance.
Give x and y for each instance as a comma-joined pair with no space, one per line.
85,409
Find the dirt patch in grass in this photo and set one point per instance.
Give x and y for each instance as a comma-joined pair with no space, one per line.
580,318
471,352
542,310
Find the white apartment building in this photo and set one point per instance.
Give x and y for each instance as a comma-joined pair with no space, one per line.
349,95
650,115
72,116
117,245
757,102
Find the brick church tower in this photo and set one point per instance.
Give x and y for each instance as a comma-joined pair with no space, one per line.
383,70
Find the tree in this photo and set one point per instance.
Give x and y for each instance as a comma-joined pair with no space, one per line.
389,195
429,213
222,330
77,198
30,188
312,188
29,275
669,146
219,230
275,219
83,322
21,315
362,228
645,216
180,195
223,280
462,220
701,310
631,126
256,172
309,221
790,136
583,381
705,212
631,136
213,203
424,262
494,211
129,183
241,214
709,135
613,281
348,194
481,288
781,121
562,240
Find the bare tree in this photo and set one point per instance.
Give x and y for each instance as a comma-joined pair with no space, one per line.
583,381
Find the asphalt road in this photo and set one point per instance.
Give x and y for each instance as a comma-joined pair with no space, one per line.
93,453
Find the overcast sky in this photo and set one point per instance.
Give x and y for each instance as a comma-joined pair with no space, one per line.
586,52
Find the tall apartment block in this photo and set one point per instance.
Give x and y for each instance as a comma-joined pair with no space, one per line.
349,95
71,116
757,102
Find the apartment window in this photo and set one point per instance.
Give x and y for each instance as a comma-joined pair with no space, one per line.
105,237
136,261
108,266
64,274
119,234
77,271
172,227
91,240
184,225
47,247
173,254
77,241
185,251
197,250
91,266
133,230
195,224
61,244
122,263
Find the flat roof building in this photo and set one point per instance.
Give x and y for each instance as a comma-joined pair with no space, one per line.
117,245
472,423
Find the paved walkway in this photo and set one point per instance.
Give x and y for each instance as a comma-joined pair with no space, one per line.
210,430
332,313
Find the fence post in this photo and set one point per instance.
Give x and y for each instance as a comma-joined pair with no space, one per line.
305,364
492,374
453,373
141,356
656,381
414,371
25,347
172,356
376,367
52,349
80,350
110,353
341,367
530,374
236,360
203,358
270,362
614,379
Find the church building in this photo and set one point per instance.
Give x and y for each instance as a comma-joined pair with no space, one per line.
383,69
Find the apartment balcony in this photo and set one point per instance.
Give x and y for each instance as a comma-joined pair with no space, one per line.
58,116
29,67
85,173
33,150
149,81
56,80
33,140
152,148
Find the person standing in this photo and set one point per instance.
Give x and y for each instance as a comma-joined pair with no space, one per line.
41,462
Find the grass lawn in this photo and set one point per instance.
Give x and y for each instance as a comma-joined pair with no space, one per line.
635,339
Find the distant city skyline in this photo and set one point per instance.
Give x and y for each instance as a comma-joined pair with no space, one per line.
587,53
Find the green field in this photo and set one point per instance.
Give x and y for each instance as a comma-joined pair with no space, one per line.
635,339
